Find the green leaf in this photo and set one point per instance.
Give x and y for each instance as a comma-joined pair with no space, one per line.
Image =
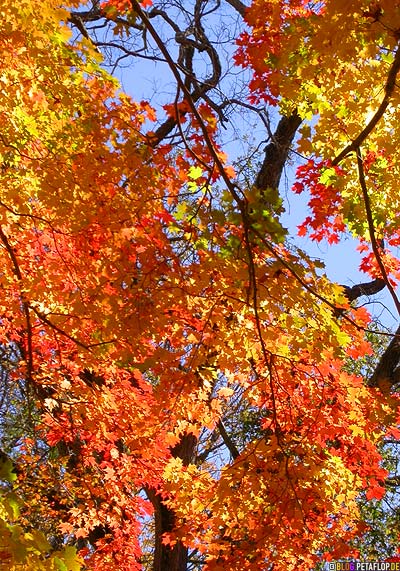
11,504
6,469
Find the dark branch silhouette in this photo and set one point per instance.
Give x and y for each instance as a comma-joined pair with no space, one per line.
387,371
368,288
276,152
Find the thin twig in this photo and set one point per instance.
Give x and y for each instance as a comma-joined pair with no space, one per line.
28,355
58,329
188,97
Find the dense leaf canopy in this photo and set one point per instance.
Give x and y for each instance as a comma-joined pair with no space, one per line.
179,368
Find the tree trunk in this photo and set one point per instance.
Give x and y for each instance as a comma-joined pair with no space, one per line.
165,557
168,558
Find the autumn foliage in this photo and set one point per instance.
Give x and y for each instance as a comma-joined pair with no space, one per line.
145,289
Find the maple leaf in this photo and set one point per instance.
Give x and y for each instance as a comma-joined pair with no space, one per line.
152,312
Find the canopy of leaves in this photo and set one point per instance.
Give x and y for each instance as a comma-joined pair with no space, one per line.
147,291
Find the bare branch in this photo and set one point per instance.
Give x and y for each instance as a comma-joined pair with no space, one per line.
238,6
127,52
77,21
233,189
228,441
368,288
185,65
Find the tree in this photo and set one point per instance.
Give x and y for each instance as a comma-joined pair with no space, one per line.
152,300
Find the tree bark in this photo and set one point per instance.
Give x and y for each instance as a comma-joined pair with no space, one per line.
387,371
277,151
168,558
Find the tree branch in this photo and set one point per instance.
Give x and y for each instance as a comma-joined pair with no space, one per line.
228,441
276,152
28,353
76,20
233,189
238,6
185,65
375,246
392,482
368,288
389,88
386,370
